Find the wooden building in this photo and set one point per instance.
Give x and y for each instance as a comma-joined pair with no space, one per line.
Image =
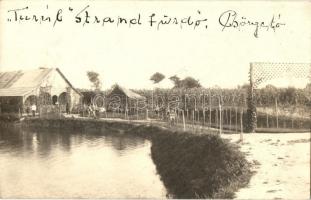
121,98
42,87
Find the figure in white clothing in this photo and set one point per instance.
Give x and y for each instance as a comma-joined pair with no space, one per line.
33,109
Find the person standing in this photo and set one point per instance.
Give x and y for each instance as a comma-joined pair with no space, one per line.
33,109
28,110
67,108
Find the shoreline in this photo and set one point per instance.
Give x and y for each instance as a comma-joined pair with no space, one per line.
190,165
281,161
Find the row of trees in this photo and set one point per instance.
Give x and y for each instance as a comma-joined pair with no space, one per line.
188,82
264,97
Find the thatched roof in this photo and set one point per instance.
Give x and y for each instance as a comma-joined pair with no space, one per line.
129,93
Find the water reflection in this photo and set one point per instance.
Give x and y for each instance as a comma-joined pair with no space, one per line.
57,164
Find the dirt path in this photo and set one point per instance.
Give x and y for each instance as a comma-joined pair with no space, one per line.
282,165
281,162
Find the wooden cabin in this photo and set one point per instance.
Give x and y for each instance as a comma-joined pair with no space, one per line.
121,99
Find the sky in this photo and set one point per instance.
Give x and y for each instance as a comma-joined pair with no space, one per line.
129,56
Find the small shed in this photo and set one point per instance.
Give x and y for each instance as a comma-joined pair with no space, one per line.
121,98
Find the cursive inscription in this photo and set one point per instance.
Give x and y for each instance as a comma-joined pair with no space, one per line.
230,19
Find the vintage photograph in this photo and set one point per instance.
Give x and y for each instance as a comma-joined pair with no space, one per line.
155,99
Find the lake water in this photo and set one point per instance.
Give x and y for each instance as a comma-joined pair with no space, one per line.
46,164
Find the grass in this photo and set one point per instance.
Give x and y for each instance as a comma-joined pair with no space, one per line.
196,166
190,165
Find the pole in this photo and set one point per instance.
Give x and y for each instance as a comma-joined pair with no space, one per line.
252,118
216,116
236,119
193,118
183,119
203,107
152,100
220,119
230,118
186,103
125,110
241,124
137,109
195,105
198,115
210,109
267,122
203,116
276,111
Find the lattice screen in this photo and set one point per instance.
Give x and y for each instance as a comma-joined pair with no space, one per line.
263,72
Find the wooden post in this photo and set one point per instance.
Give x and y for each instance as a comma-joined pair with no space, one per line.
267,122
198,115
183,119
236,119
126,107
225,116
241,124
137,108
186,104
210,109
203,116
276,111
203,108
193,117
220,119
251,105
146,114
152,100
216,117
230,119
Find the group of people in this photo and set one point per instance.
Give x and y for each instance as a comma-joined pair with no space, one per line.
171,116
32,108
94,111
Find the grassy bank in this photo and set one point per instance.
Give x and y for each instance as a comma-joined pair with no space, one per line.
197,166
190,166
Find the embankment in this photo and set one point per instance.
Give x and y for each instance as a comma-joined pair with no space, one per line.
190,166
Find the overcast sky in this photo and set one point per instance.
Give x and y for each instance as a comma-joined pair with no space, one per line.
129,56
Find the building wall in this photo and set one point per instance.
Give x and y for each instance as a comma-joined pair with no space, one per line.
57,83
59,86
